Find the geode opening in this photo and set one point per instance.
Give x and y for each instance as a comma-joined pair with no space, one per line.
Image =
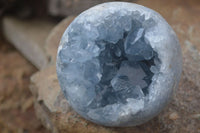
127,68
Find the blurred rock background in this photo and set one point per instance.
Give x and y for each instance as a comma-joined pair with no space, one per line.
17,113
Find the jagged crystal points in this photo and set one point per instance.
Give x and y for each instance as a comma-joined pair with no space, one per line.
117,66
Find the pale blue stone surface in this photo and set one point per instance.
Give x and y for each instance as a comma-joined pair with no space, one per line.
113,65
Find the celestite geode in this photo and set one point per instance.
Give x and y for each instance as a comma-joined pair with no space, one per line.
118,64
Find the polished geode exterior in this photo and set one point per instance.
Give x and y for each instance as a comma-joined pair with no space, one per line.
118,64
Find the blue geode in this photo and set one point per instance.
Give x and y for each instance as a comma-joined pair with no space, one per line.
118,64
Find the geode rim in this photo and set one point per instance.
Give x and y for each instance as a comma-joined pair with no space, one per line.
106,24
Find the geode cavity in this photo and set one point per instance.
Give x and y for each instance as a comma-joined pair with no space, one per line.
118,64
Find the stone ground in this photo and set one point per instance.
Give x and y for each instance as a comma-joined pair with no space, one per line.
181,115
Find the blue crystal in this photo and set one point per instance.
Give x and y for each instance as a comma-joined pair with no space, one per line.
106,63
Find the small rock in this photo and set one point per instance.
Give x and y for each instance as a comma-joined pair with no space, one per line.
174,116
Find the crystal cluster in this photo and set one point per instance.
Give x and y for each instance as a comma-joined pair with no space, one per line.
112,64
